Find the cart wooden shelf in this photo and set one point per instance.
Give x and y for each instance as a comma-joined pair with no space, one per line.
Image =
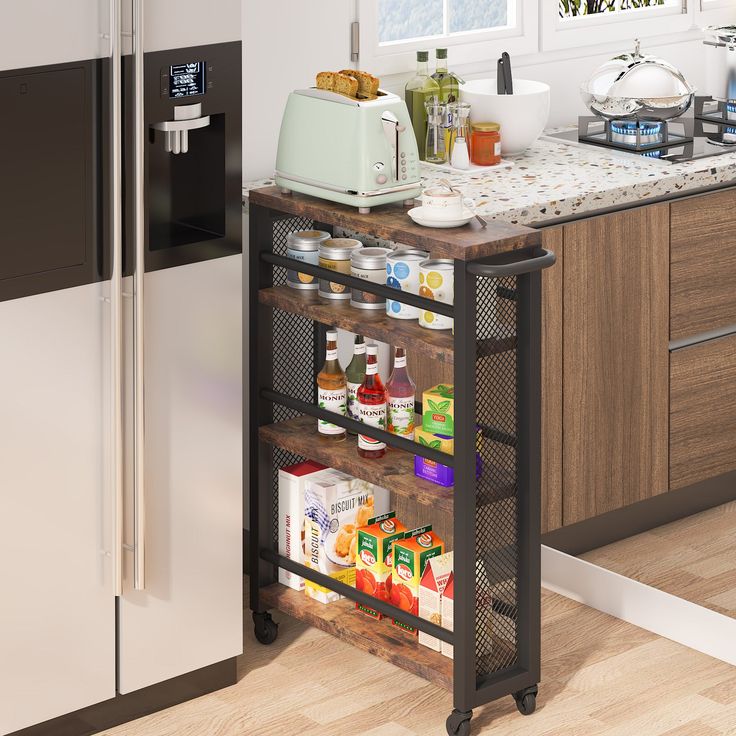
493,511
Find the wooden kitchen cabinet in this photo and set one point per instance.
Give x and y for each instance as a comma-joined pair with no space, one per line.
615,361
703,411
703,268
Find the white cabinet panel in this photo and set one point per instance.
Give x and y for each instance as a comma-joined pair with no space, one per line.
57,605
38,32
190,614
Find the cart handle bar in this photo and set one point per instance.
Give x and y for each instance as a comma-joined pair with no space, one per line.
348,591
518,268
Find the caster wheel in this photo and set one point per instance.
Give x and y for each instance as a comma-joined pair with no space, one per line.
526,701
458,724
265,628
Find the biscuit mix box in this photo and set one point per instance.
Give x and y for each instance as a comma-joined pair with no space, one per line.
374,563
292,481
411,556
335,505
436,575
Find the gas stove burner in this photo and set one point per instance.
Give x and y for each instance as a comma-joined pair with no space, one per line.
637,133
647,137
715,111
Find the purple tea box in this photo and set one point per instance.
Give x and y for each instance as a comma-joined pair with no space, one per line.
442,475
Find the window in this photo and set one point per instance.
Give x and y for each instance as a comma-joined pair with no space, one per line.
391,31
572,23
576,8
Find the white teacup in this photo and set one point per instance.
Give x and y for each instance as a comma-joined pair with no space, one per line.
440,203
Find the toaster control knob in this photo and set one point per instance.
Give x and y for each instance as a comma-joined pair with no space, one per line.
378,166
381,179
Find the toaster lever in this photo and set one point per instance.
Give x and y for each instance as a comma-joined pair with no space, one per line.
392,129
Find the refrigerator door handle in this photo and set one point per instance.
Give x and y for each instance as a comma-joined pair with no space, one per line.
116,290
139,497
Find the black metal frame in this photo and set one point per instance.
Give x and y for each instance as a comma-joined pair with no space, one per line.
516,281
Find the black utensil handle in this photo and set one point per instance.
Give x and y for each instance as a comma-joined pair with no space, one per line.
508,82
501,78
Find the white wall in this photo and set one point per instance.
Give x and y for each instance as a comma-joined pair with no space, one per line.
285,43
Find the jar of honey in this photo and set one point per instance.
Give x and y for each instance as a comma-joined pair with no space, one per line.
485,144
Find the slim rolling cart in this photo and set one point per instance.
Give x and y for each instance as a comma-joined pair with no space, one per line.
494,516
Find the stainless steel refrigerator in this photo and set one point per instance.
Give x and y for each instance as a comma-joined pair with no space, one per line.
120,375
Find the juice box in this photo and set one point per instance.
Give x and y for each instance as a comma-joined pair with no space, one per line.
335,505
448,615
431,591
438,410
411,556
292,481
374,563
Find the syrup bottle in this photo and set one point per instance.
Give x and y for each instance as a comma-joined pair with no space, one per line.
401,392
372,406
331,391
355,375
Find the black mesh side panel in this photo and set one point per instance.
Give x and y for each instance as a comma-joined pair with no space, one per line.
496,533
293,357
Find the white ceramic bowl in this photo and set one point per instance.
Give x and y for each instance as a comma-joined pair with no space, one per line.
522,116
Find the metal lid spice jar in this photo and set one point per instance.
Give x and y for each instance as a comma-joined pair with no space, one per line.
369,264
303,245
485,145
334,254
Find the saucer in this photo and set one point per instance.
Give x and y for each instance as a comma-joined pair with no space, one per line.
419,215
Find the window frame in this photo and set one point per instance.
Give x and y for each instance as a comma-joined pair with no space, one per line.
468,47
714,12
558,33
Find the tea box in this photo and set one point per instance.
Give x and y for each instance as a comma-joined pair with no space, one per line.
438,410
292,482
431,591
430,470
374,563
411,556
447,612
335,505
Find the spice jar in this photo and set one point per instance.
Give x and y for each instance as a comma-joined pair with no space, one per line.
369,264
303,245
485,147
334,254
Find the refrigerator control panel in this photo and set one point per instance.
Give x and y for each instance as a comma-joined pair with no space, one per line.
188,79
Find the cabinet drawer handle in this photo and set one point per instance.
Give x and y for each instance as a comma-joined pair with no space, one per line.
518,268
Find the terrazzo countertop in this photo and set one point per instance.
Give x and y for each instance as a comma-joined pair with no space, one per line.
554,180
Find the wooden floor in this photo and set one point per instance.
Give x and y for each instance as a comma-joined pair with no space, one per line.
601,677
694,558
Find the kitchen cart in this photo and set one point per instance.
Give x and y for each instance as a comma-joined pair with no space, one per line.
494,518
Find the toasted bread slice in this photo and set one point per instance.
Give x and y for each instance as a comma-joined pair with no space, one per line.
367,83
346,85
326,80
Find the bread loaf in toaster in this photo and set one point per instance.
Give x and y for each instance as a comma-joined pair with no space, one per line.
338,82
367,83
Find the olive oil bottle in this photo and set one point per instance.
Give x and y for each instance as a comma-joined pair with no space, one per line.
419,90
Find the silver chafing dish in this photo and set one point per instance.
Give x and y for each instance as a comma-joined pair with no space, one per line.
634,86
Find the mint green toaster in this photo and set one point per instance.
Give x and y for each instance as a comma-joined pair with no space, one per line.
361,153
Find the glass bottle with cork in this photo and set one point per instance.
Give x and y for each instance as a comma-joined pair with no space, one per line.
355,375
372,406
401,392
419,90
331,391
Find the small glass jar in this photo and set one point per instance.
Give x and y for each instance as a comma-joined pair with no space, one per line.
485,147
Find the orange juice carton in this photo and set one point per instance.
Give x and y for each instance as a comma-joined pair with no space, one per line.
374,563
438,410
411,555
447,612
431,591
335,506
292,481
